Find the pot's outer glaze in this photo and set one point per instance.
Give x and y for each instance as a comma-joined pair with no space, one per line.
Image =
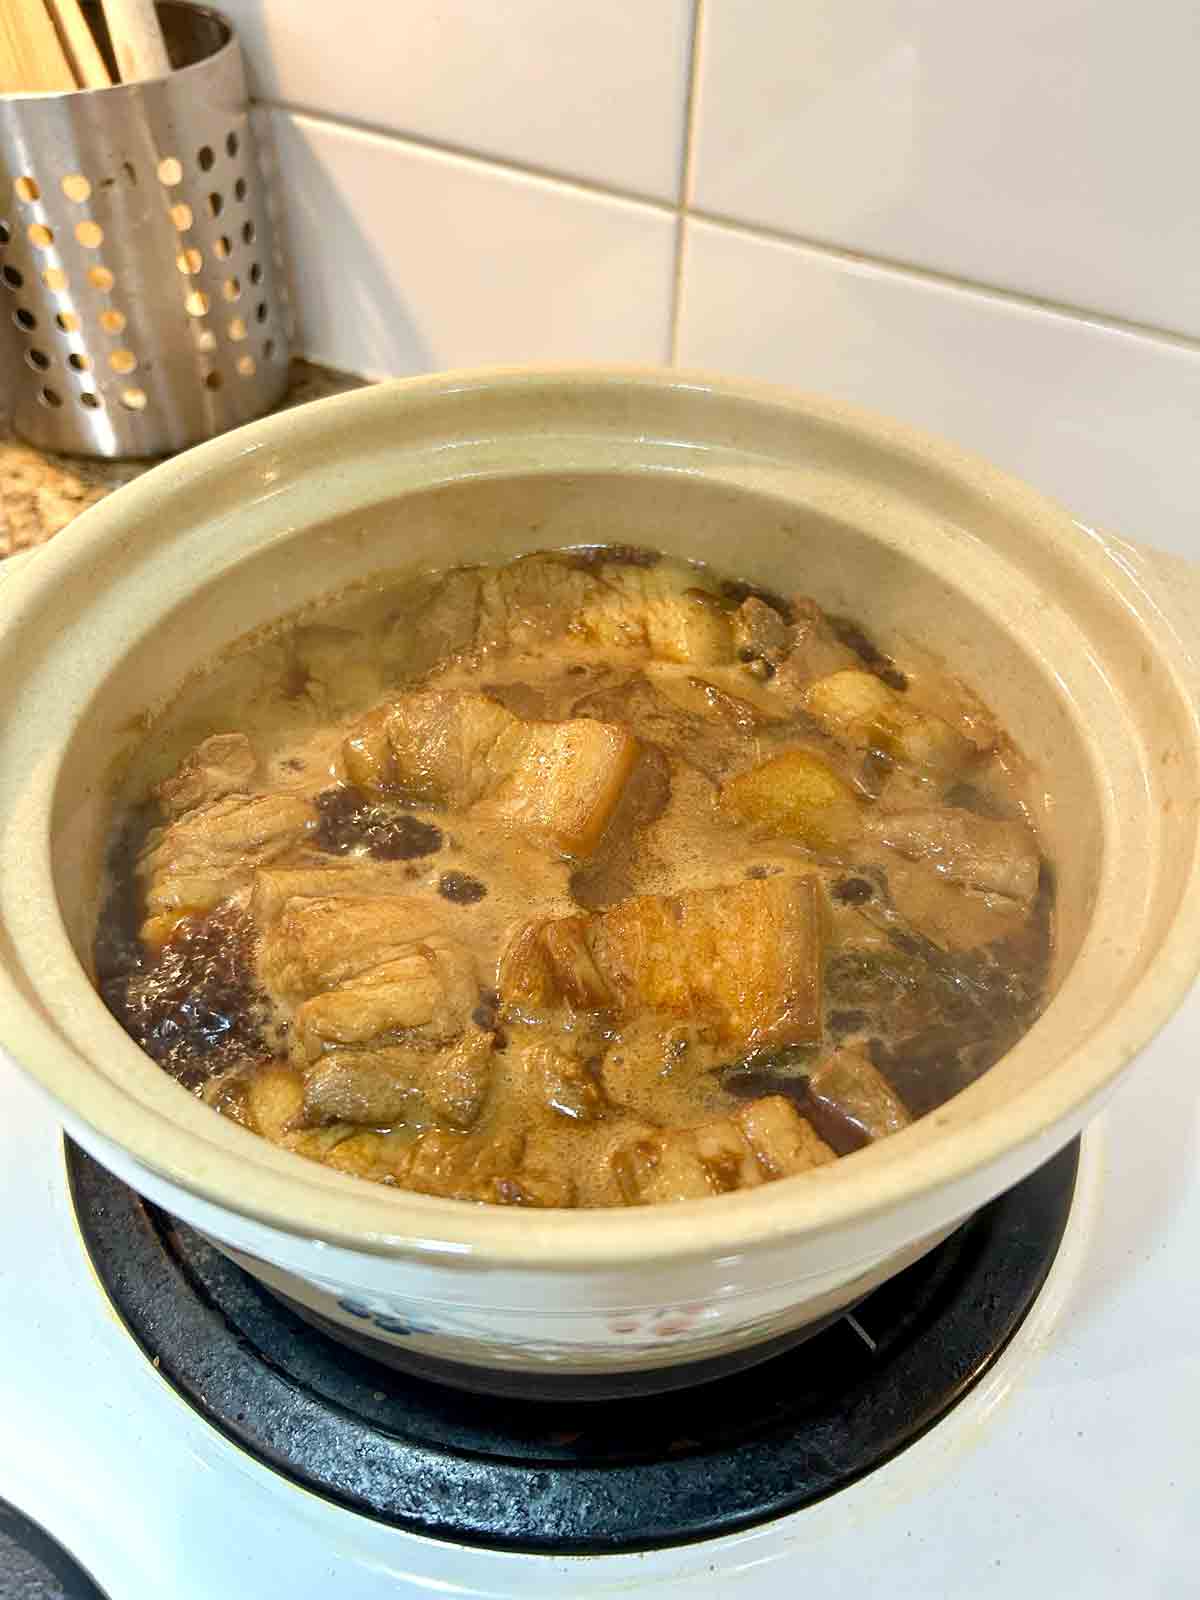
1068,636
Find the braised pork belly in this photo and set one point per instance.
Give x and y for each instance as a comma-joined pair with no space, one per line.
591,879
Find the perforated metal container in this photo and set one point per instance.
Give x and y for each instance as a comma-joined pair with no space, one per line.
138,265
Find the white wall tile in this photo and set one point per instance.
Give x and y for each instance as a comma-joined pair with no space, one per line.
1045,147
406,260
587,88
1105,421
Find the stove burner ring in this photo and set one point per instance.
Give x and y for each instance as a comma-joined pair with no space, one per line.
562,1477
33,1566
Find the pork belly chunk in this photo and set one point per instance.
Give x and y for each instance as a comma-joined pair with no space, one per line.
558,783
222,765
317,944
617,605
851,1103
984,853
863,712
765,1140
472,1167
208,853
393,1083
428,991
744,956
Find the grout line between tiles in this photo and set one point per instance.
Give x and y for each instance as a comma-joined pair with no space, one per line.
949,280
930,276
685,175
527,169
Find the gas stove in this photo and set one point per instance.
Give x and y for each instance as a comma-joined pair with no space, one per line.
129,1436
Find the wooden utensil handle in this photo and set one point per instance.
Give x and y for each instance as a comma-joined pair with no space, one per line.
76,39
137,39
31,58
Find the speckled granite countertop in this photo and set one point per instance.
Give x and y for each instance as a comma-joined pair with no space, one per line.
41,493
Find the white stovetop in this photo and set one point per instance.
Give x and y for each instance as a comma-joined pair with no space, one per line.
1073,1468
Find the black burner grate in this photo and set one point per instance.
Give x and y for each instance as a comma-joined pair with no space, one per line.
575,1477
33,1566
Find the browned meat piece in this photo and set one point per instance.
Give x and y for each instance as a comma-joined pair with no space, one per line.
782,1141
737,714
616,605
316,945
234,835
400,1083
436,744
204,856
658,720
220,766
428,990
275,1100
576,974
526,602
607,875
226,1092
921,903
765,1140
318,1144
381,1157
852,1104
562,1083
527,978
565,783
687,1164
373,1088
273,887
761,634
816,651
660,1071
467,1167
725,1153
406,993
458,1081
557,782
981,852
668,1166
800,794
550,962
367,751
745,956
639,608
447,1163
865,713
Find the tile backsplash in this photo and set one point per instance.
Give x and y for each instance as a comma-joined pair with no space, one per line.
408,259
981,221
1044,145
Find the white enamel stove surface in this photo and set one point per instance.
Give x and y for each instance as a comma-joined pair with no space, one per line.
1072,1468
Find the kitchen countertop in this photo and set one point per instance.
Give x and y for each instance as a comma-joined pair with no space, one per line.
40,493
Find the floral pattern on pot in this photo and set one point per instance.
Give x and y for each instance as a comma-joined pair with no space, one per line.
646,1331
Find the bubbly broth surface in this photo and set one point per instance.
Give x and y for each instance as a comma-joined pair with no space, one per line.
590,879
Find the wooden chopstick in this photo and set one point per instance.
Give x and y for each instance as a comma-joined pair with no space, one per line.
31,58
137,39
78,44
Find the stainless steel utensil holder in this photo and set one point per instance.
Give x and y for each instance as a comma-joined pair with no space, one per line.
137,260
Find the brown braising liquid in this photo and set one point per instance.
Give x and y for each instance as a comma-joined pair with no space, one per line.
612,1062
